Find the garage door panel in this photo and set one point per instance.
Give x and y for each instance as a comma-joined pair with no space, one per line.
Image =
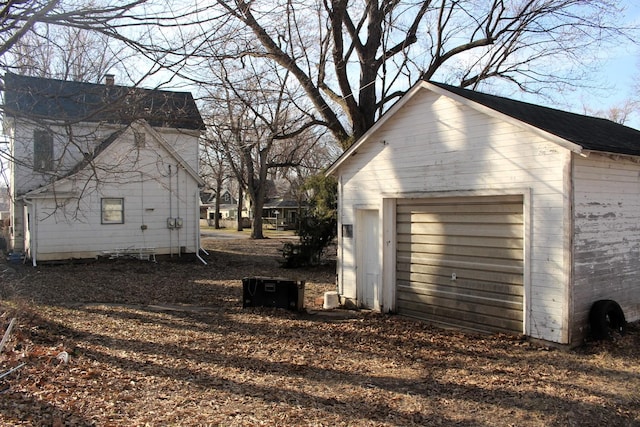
457,217
472,204
513,280
489,295
462,285
454,262
469,251
468,304
460,318
487,230
479,242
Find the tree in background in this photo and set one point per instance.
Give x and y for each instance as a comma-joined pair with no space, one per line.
261,129
621,113
68,53
214,168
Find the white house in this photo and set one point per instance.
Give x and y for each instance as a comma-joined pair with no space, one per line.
101,169
482,212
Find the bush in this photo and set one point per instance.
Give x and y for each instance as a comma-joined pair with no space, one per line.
318,224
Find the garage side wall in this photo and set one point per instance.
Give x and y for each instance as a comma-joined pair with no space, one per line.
436,145
607,237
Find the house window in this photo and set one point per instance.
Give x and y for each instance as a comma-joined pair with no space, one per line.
113,211
42,150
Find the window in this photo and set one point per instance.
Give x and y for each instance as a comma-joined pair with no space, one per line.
113,211
42,150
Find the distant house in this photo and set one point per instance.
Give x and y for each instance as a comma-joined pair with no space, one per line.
281,213
482,212
228,208
101,168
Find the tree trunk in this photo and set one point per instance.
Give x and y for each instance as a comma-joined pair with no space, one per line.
257,193
239,212
216,220
256,224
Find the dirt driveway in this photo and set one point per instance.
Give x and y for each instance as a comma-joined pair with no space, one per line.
132,343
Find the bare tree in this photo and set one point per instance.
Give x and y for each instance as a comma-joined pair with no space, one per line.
353,59
621,113
69,53
214,168
262,129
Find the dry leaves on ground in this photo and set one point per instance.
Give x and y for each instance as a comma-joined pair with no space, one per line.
135,343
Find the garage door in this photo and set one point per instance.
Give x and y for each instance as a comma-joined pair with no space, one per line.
460,261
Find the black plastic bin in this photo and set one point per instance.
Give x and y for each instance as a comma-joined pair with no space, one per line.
272,292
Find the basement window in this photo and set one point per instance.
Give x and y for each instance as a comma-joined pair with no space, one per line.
112,211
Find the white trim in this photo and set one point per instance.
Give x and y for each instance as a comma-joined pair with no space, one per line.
503,191
389,248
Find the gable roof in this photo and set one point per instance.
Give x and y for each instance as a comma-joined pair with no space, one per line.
42,98
44,191
580,132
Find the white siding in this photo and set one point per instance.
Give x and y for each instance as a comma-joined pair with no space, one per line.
158,188
435,144
69,145
607,236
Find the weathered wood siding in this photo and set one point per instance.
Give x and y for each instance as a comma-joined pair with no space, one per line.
434,144
461,261
607,236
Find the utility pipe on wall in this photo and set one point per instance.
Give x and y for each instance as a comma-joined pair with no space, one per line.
178,207
170,212
197,229
33,230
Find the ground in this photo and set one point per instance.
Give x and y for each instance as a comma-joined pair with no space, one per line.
133,343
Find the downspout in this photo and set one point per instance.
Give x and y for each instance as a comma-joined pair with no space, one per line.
197,229
143,226
340,254
33,230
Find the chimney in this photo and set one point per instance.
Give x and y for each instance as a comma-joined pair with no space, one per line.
109,79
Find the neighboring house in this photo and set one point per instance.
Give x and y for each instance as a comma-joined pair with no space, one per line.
482,212
281,213
99,169
228,208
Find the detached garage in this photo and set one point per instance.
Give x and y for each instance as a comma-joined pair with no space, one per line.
476,211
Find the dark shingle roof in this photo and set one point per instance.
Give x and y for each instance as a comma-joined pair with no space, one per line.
591,133
41,98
